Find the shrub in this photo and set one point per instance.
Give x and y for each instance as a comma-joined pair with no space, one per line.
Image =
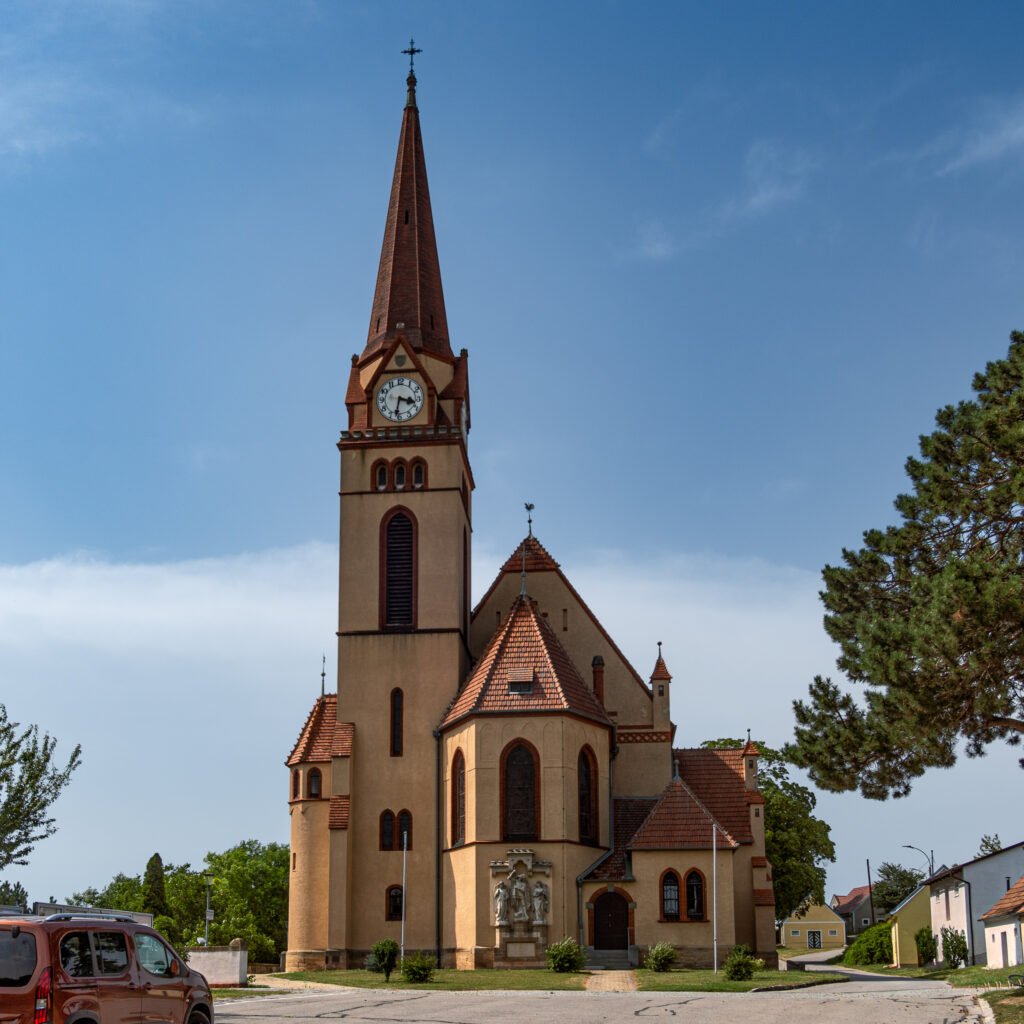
566,957
927,947
873,946
954,947
660,956
370,964
418,967
385,953
740,964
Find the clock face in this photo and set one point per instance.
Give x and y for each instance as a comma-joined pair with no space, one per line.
399,399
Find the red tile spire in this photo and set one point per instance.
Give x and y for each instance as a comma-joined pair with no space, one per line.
408,298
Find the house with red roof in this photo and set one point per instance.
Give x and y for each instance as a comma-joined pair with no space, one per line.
856,911
1003,922
485,781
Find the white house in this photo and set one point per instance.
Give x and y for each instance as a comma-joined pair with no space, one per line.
960,894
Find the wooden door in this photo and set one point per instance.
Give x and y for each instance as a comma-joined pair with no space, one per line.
611,921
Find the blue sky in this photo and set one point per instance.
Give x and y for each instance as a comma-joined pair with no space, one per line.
716,267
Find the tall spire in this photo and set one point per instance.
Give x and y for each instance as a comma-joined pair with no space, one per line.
409,297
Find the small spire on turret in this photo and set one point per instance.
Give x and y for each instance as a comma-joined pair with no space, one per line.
529,533
323,674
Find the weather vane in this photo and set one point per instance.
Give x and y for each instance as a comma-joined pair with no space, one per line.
412,51
323,674
529,524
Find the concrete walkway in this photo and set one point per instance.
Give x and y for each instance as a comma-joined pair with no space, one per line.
611,981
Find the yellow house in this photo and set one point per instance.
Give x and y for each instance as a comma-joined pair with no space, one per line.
488,780
913,914
818,927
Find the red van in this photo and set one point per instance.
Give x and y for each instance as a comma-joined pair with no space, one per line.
95,969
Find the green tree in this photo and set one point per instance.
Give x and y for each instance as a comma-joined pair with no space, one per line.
13,894
124,892
989,844
893,885
154,896
928,614
250,896
30,781
797,843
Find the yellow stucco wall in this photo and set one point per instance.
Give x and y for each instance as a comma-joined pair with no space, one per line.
817,918
905,922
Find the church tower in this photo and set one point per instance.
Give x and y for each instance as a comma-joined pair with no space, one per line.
403,607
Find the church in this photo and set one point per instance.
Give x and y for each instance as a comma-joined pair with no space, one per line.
489,780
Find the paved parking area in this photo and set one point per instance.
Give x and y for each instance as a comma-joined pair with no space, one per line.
862,1001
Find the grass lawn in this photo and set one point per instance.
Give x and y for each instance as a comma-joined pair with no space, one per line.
708,981
451,981
958,977
1007,1006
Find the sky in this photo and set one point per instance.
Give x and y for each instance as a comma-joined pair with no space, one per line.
716,267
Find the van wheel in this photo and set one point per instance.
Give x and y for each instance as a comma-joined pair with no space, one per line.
198,1017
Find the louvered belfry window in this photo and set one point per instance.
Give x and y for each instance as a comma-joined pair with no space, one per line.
520,809
399,572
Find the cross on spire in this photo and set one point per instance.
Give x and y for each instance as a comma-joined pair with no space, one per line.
412,51
529,525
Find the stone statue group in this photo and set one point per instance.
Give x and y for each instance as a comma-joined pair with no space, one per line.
514,900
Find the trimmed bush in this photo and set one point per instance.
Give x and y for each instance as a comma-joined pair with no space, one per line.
385,955
954,947
566,957
740,964
372,965
660,956
873,946
418,967
927,947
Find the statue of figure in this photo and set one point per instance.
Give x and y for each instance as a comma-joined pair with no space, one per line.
501,903
540,902
520,905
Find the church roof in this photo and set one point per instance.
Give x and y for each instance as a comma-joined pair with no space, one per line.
715,777
525,670
679,821
323,736
539,560
408,297
630,814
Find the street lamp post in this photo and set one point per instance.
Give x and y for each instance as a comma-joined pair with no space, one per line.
209,913
930,857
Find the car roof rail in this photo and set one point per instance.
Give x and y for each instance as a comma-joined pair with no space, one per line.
91,917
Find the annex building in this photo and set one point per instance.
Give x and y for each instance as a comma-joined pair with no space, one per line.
490,779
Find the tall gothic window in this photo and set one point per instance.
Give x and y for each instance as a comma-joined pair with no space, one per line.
394,903
387,831
403,841
519,792
670,896
397,705
458,799
313,785
398,543
586,775
694,896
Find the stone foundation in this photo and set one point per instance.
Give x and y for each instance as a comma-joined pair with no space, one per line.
317,960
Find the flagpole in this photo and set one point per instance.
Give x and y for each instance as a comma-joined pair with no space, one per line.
714,886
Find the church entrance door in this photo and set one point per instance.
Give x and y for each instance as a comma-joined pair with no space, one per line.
611,921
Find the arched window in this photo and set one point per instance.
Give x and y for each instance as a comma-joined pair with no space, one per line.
586,776
387,831
458,811
520,779
398,563
403,841
399,472
313,784
380,476
396,723
694,896
296,784
670,896
394,903
419,475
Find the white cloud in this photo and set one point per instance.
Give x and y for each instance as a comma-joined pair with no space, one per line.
776,174
998,133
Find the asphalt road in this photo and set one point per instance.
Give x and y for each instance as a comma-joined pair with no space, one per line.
864,1000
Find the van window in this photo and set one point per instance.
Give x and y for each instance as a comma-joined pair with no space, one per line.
17,958
75,955
154,956
111,952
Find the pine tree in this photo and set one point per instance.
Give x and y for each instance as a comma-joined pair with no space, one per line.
929,614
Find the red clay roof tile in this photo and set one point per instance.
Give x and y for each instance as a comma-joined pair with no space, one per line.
630,814
1011,902
764,897
715,776
525,643
679,821
339,812
322,737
